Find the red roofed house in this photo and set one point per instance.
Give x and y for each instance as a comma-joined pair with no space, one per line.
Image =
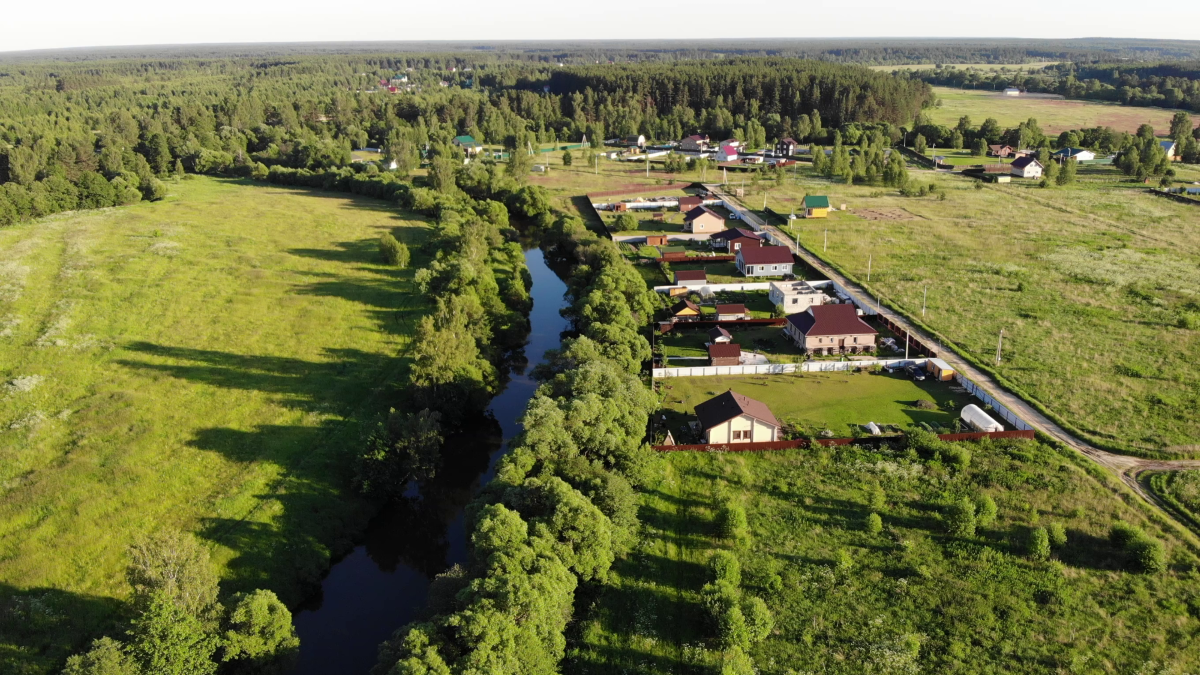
718,334
703,219
733,418
732,312
694,143
691,277
724,354
688,203
727,153
736,245
721,239
830,329
765,261
786,147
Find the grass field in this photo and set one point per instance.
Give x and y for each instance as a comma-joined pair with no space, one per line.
207,363
841,402
1181,491
1054,114
1087,282
909,599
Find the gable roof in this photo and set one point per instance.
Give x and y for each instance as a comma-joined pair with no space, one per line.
699,211
729,405
697,137
1167,144
999,146
1022,162
464,140
690,202
691,275
816,202
789,141
731,309
1071,152
684,304
735,233
831,320
724,350
719,332
766,255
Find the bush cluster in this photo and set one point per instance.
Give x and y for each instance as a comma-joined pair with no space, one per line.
1146,553
738,619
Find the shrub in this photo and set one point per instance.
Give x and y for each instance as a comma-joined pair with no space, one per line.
759,622
1039,544
1188,321
1058,535
625,222
986,510
876,497
731,520
724,567
1149,555
732,630
960,518
874,523
957,456
1123,534
392,251
736,662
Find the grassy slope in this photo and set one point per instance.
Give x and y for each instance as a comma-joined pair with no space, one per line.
1087,283
974,606
207,362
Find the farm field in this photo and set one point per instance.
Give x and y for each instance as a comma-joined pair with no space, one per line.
1088,282
203,363
910,598
840,402
1053,113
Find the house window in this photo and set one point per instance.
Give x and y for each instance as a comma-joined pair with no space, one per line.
774,268
795,300
737,435
855,340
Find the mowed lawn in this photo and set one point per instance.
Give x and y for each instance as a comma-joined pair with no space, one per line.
207,363
909,599
1087,282
839,401
1054,114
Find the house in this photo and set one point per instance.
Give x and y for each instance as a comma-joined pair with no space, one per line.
727,153
656,240
1078,154
733,418
685,310
734,245
786,147
690,202
691,278
1012,91
694,143
718,335
1026,167
723,238
830,329
794,296
638,141
724,354
732,312
1169,147
703,219
765,261
468,144
1000,150
733,142
816,206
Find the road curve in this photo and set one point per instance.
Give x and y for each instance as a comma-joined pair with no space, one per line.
1126,467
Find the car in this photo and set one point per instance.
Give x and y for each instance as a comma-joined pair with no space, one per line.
917,374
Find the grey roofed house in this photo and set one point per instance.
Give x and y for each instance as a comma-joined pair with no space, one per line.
719,334
729,405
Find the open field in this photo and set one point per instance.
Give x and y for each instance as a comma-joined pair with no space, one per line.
1053,113
205,363
840,402
1088,283
909,599
1181,492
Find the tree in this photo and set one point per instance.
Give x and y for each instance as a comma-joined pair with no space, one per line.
874,524
759,622
1051,171
625,222
979,149
1039,544
259,633
956,140
520,163
175,566
895,173
1181,126
167,639
1057,534
393,252
1067,175
960,518
987,511
567,158
736,662
724,568
106,657
920,144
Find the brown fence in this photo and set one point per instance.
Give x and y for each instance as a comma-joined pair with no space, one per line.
827,442
915,346
684,257
1177,197
667,327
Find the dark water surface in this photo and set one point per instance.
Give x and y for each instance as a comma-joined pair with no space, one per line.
382,583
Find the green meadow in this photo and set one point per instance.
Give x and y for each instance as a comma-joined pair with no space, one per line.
909,597
206,363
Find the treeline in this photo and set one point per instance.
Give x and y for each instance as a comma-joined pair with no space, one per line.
562,507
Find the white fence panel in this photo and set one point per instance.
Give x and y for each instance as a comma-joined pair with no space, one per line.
774,368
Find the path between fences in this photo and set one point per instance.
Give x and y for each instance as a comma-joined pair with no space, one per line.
1126,467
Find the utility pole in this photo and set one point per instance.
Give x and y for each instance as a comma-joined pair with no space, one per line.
869,256
923,298
826,247
999,345
905,345
647,163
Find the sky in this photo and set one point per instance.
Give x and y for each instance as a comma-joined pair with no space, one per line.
48,24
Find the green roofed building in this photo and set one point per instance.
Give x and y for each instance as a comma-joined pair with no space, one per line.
816,206
468,143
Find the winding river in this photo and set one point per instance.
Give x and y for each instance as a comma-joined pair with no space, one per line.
382,583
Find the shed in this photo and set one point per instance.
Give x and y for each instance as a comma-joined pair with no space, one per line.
690,202
940,369
816,206
656,239
718,335
691,278
732,312
979,420
724,354
685,310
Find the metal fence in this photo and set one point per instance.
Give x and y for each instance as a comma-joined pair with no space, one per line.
997,407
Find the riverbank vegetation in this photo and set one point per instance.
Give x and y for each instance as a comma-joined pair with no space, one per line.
936,557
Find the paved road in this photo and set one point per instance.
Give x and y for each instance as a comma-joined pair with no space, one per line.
1124,466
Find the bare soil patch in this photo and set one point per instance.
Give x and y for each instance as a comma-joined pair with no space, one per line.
884,214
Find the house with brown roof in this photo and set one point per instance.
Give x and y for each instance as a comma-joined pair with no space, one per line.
1000,150
691,278
732,312
1026,167
733,418
690,202
830,329
718,335
765,261
786,147
736,244
694,143
685,310
724,354
703,219
724,237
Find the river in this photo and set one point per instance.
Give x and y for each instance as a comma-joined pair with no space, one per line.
382,584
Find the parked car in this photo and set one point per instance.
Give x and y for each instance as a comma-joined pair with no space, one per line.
917,374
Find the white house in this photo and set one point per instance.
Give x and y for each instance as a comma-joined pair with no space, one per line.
1012,91
795,296
765,261
1169,147
1026,167
727,153
1077,154
733,418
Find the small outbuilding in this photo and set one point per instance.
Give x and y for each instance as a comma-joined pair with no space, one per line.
979,420
685,310
733,418
732,312
690,202
724,354
719,335
691,278
794,296
656,240
816,206
940,370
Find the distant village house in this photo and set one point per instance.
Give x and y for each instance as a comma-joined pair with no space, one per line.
831,329
765,261
1026,167
703,219
734,418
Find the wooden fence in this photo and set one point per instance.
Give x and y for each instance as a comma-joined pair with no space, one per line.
684,257
828,442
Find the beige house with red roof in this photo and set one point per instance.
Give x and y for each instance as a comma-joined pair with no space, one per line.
733,418
703,219
830,329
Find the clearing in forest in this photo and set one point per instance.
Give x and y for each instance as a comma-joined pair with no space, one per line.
1053,113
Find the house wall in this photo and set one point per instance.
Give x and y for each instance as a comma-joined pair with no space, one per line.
830,344
774,270
707,223
725,361
794,303
759,431
816,213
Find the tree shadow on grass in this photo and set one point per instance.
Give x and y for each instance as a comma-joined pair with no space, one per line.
41,627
